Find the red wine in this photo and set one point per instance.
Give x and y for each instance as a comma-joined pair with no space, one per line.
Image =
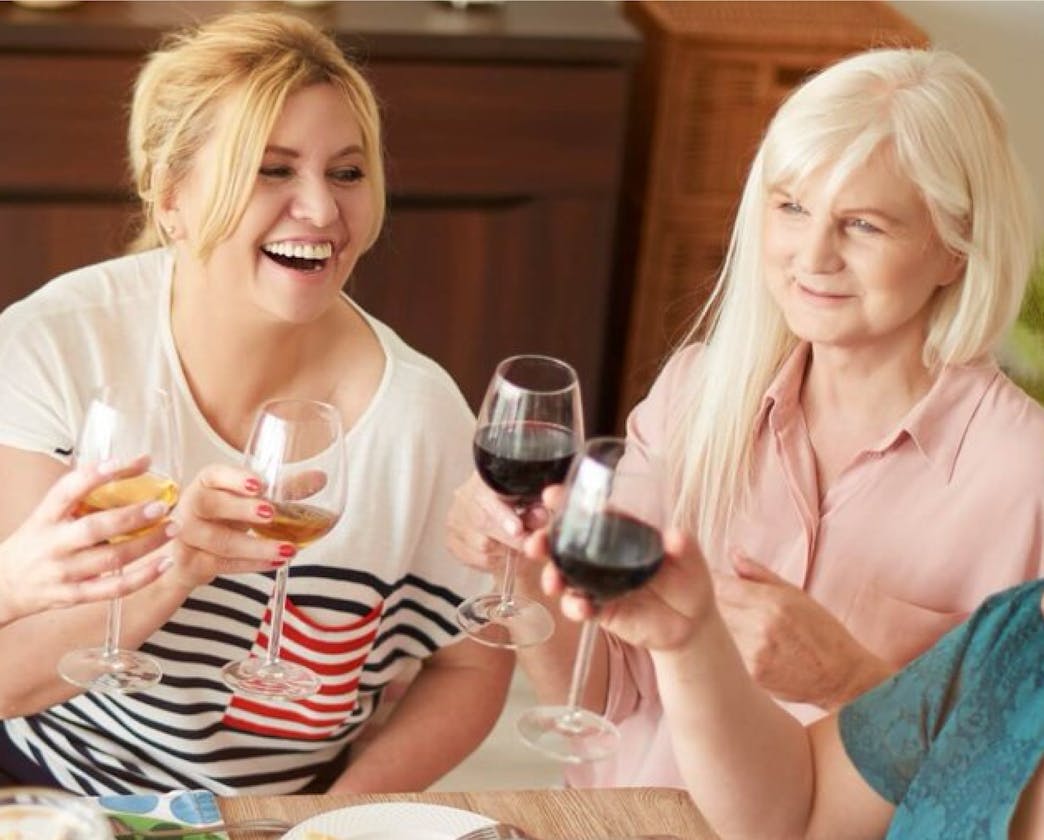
605,555
518,460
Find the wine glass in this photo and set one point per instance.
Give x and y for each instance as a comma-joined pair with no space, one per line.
123,423
605,541
36,812
529,427
297,449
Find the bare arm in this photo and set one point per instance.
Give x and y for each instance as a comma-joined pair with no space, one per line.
480,529
731,740
447,711
205,546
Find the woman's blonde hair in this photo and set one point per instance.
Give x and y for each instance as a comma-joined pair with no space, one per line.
945,131
252,61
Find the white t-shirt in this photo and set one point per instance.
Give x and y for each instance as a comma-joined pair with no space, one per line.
370,598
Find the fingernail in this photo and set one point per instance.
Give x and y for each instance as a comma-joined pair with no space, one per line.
172,529
277,564
252,485
165,563
264,510
154,510
286,550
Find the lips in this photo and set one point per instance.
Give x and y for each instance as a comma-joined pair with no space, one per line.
300,256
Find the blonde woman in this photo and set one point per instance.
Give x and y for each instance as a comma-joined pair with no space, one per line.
859,473
256,152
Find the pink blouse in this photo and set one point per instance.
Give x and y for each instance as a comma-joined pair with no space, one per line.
908,540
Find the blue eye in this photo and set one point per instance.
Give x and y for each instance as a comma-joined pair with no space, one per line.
791,208
864,226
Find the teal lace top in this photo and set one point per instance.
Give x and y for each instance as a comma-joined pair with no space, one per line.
954,738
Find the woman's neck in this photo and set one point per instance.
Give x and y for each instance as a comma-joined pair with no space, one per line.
235,358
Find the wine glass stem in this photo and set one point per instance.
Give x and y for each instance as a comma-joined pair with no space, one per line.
278,603
582,664
507,588
112,627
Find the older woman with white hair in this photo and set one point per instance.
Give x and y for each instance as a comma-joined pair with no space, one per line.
858,472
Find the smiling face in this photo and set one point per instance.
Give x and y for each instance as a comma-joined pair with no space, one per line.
855,269
308,219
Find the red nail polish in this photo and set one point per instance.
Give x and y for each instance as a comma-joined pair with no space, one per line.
252,485
265,510
286,550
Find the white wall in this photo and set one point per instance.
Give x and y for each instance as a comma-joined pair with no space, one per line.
1003,40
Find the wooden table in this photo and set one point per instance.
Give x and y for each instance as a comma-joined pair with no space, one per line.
548,814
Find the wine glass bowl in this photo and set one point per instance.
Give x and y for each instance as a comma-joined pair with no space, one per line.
123,423
605,541
529,427
297,450
36,812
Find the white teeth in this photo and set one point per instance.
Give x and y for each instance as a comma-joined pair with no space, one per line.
300,250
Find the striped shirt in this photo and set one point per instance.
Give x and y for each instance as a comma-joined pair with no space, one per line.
364,603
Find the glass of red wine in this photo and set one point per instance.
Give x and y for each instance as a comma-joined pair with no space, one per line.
606,541
297,449
529,427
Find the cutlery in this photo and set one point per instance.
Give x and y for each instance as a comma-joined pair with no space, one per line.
120,829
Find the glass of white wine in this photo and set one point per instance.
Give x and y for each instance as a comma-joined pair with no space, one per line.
297,450
122,423
30,813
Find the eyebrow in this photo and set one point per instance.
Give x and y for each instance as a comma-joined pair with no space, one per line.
353,149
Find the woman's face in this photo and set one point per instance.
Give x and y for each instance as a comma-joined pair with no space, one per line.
308,217
856,269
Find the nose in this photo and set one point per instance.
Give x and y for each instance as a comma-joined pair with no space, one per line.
818,252
314,202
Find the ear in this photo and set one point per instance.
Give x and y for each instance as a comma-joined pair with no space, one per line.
167,214
955,270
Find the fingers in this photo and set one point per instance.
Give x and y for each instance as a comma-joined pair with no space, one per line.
108,557
134,577
480,527
111,524
751,570
66,494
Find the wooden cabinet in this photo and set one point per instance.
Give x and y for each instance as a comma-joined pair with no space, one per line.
712,75
504,135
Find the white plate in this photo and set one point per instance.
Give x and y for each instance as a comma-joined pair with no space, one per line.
391,821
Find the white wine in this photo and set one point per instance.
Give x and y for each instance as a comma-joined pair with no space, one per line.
49,822
297,523
147,487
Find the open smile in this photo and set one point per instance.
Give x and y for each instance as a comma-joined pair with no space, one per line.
308,257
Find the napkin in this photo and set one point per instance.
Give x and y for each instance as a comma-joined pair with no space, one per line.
177,809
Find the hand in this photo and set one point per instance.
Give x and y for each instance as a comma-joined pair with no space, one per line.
481,527
214,514
56,560
664,614
793,647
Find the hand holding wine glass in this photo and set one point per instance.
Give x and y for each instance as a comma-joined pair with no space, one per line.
121,425
297,449
529,426
605,541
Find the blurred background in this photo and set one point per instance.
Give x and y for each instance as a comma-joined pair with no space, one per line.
561,174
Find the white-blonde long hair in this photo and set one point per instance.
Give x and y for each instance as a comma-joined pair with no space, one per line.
948,135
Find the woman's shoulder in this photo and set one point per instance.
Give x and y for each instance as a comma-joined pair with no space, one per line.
413,379
105,285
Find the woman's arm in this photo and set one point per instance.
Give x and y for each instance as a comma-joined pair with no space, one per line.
752,769
206,544
480,529
444,715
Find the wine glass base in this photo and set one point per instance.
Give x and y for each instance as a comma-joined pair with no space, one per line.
572,735
515,623
112,672
270,681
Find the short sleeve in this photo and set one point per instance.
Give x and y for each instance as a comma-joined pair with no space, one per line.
888,731
33,389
